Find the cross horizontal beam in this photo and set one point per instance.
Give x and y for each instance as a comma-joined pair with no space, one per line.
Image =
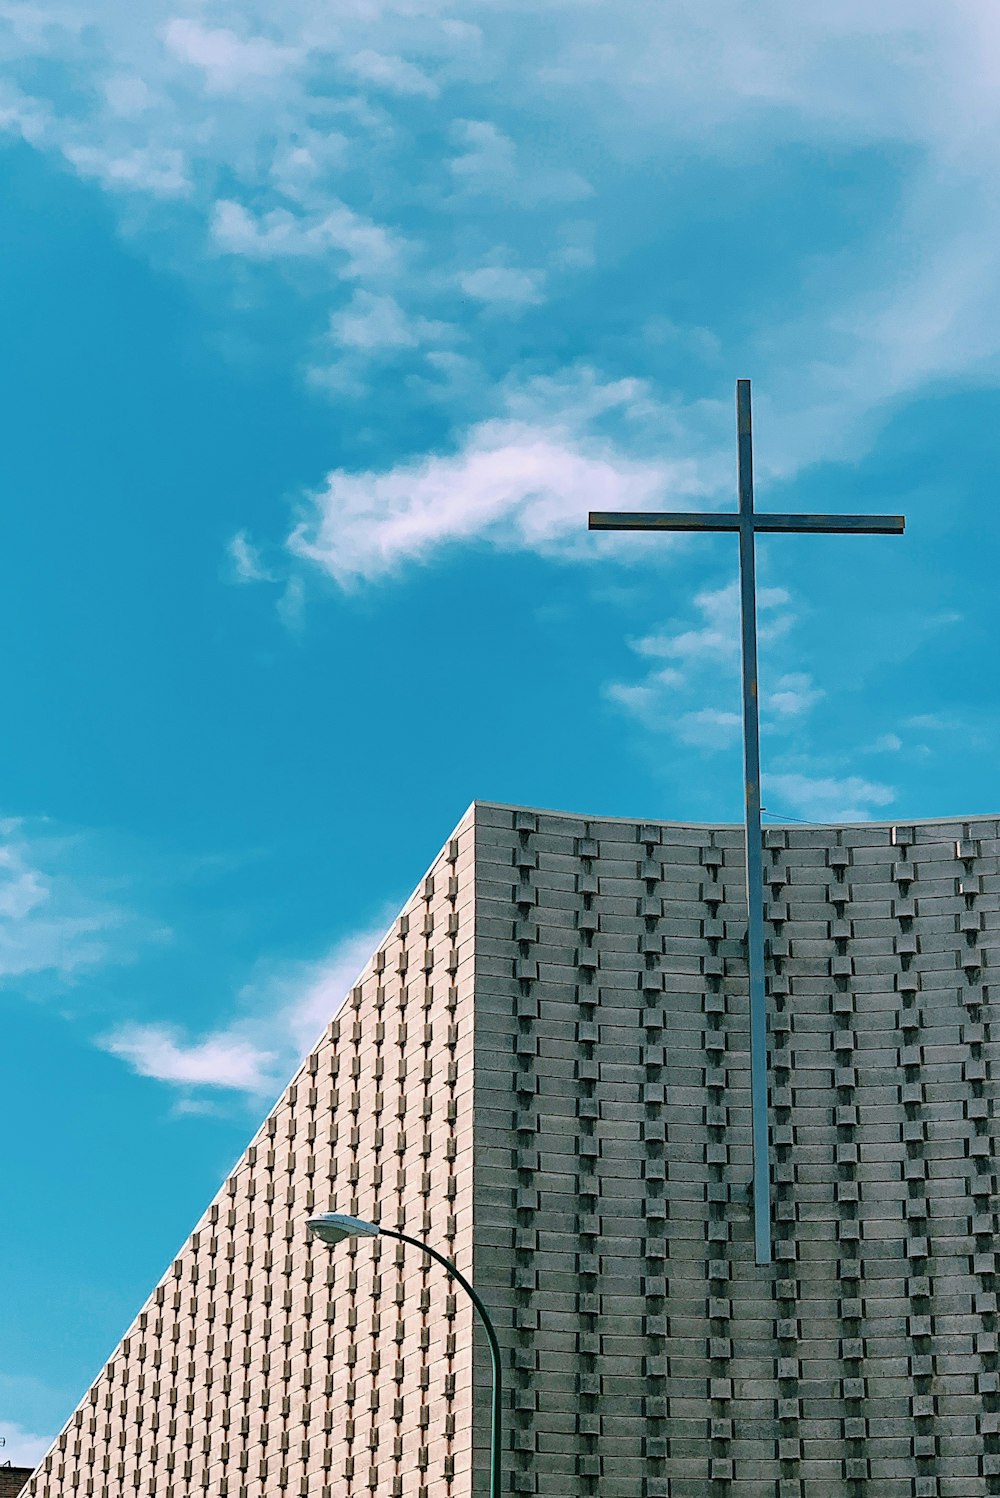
746,523
706,520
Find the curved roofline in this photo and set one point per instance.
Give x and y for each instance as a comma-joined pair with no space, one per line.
584,816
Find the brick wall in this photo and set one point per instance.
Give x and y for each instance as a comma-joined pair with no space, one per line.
12,1480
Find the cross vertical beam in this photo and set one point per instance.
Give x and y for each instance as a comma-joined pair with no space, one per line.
746,522
754,837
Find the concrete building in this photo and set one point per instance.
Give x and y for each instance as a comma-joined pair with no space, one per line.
544,1070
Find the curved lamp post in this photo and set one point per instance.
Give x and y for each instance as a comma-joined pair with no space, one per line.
334,1227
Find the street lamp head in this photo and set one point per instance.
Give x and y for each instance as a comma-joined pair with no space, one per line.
334,1227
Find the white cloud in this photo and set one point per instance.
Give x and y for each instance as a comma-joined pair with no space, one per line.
489,159
492,164
29,1405
518,486
341,377
55,919
161,172
374,324
246,560
27,118
128,95
654,701
226,60
392,73
887,743
283,1011
22,888
524,482
308,995
303,165
292,604
793,695
197,108
718,637
708,728
826,798
21,1447
579,396
221,1059
502,284
577,251
696,656
223,121
636,697
366,247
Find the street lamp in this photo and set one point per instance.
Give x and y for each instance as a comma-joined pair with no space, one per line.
333,1227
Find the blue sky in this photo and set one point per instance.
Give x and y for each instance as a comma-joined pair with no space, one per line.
324,326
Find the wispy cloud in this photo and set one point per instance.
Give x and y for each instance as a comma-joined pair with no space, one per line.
361,247
373,330
682,697
222,1059
22,1448
887,743
291,606
57,917
648,700
287,134
226,60
792,695
523,482
392,73
487,158
717,637
281,1013
159,171
29,1404
490,162
708,728
826,798
246,560
519,487
505,285
376,323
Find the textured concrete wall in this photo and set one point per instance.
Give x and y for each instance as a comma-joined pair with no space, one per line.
545,1070
265,1365
650,1356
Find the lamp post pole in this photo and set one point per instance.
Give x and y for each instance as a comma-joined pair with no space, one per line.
333,1227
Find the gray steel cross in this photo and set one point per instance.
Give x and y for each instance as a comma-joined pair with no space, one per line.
747,523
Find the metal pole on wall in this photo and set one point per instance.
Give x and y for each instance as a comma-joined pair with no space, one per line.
754,839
